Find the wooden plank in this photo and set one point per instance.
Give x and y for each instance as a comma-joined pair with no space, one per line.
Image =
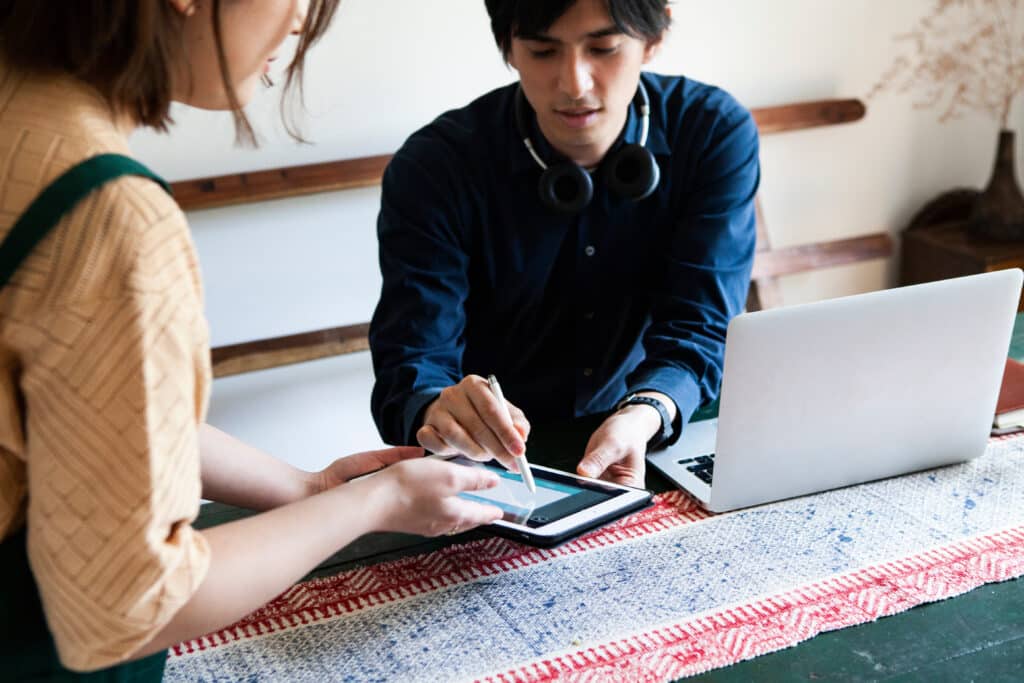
798,259
277,183
295,348
804,115
295,181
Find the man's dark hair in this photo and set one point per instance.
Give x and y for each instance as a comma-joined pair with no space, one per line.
645,19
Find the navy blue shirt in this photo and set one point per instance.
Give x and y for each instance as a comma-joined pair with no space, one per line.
570,313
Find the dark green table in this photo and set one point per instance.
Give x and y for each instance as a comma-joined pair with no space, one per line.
978,636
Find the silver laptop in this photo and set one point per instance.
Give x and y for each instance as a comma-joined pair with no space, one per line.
838,392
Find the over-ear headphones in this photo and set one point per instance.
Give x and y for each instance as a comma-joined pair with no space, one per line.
630,171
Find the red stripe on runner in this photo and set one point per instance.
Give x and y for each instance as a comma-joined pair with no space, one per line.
770,624
359,589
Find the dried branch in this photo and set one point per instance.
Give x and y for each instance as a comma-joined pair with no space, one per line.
964,55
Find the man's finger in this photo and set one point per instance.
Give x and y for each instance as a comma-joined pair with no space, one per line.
469,436
483,433
496,419
462,441
628,480
522,425
431,439
629,471
595,463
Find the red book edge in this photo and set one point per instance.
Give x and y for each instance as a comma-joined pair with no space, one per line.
1011,391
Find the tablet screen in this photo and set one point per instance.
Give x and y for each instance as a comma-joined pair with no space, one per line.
557,495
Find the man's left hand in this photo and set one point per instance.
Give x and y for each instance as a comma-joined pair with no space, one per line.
616,450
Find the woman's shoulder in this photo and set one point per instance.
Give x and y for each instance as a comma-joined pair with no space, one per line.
136,234
110,243
139,204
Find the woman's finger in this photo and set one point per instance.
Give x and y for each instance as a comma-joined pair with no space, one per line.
386,456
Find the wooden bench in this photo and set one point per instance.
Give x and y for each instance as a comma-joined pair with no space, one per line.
769,263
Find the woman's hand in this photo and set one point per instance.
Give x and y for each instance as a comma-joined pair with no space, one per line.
355,465
420,496
275,549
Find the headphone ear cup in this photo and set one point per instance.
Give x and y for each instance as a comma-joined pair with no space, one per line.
566,188
632,172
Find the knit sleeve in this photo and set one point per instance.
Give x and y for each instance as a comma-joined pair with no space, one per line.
115,387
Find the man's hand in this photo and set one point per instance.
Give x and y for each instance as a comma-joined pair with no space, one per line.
467,418
616,450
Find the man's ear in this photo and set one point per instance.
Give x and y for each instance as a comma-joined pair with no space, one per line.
184,7
653,47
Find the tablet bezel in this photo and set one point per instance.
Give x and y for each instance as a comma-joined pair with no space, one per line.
629,500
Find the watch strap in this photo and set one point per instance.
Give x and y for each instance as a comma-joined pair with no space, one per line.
666,421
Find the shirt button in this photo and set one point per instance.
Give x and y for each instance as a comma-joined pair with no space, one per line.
589,251
587,372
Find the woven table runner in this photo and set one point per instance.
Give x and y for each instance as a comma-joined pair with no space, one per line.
664,593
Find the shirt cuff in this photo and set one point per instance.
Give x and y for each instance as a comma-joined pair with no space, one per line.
412,420
680,386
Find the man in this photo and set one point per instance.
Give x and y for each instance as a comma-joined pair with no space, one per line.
614,302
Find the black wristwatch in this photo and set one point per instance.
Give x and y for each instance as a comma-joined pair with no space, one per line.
666,422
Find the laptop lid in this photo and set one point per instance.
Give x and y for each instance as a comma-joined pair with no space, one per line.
843,391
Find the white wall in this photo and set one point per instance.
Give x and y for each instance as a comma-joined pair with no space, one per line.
389,66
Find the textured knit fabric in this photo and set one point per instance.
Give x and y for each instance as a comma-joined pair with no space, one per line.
104,379
570,312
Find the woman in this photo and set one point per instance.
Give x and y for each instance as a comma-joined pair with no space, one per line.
104,358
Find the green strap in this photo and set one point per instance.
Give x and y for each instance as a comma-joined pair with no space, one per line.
27,649
60,197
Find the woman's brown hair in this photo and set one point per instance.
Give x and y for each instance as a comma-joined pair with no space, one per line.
127,49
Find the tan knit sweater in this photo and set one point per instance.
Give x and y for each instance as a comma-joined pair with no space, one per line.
104,379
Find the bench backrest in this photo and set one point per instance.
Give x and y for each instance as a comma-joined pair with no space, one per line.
769,263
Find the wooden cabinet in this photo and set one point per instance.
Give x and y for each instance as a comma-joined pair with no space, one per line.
944,250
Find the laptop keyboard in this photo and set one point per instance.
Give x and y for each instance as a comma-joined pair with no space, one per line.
703,466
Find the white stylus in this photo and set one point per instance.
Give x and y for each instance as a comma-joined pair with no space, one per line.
524,466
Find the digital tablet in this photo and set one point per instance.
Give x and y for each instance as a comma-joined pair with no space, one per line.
565,505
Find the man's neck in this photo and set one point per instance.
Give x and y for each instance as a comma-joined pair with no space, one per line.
587,156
